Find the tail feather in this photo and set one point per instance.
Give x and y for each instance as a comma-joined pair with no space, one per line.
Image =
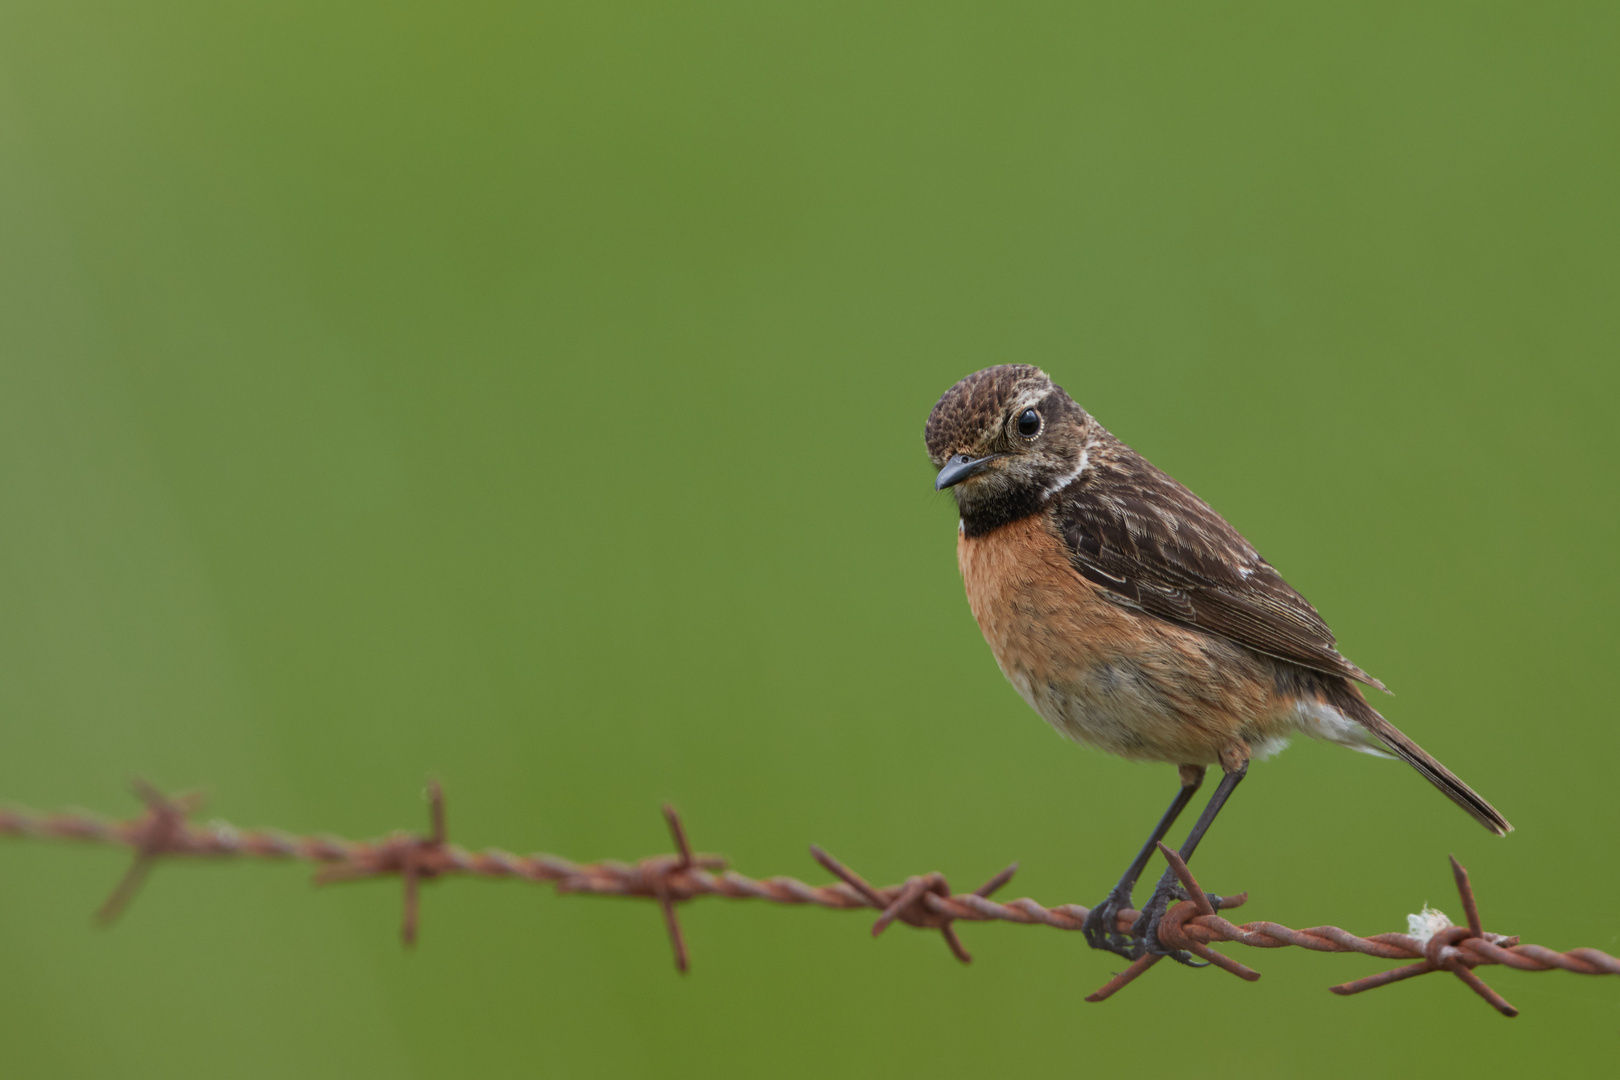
1434,772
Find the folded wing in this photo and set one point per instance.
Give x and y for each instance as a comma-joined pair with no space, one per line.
1154,546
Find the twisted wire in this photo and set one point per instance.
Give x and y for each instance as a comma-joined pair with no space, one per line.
1188,929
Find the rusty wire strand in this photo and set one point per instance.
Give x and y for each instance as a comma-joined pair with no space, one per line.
922,901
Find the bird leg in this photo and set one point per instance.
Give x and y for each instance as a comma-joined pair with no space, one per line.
1146,930
1100,925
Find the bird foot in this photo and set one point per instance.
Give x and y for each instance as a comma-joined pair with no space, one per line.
1146,929
1102,927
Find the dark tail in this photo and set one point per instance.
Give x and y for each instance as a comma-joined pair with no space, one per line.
1434,772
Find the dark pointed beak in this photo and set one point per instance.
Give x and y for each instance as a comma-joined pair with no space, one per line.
960,467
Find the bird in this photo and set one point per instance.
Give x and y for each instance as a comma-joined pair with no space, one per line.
1133,618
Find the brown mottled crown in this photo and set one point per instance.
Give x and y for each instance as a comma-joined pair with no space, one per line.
975,406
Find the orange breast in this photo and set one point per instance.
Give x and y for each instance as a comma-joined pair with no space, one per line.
1102,674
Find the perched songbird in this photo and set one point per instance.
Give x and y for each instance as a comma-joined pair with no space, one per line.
1133,618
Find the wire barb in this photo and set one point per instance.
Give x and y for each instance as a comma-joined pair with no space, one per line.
682,864
154,833
924,902
414,858
1445,951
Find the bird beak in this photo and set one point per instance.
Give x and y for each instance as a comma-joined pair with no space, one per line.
960,467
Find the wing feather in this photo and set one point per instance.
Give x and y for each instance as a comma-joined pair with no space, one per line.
1154,546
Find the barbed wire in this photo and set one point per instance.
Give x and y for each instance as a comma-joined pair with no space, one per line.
923,901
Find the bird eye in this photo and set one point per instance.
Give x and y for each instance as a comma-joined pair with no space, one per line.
1029,424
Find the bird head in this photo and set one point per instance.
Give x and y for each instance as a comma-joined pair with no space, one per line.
1005,438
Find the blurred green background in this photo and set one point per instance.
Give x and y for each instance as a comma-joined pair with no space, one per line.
531,395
